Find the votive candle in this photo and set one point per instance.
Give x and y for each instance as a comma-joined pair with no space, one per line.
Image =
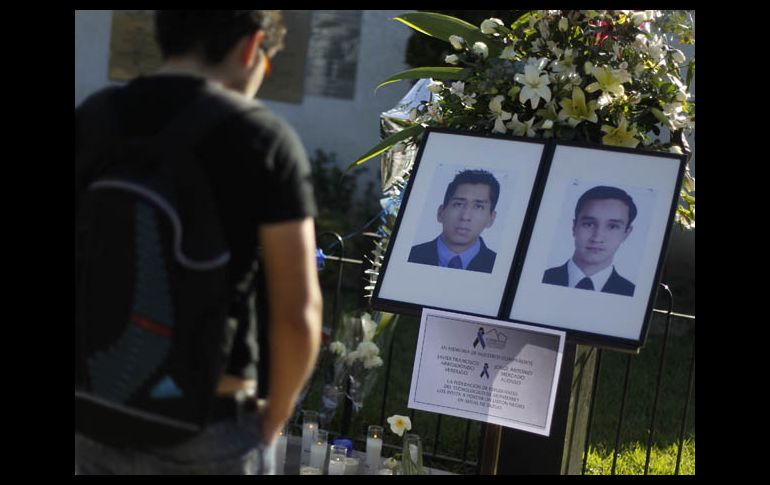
280,452
373,447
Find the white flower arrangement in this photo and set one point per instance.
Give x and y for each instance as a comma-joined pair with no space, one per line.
611,77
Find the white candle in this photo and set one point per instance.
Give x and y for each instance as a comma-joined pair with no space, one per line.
373,452
318,454
351,466
336,467
280,454
384,471
308,437
310,470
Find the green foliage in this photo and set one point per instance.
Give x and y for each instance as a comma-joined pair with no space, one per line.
387,143
342,205
428,51
427,72
343,208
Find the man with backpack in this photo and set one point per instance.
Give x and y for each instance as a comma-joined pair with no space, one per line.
198,316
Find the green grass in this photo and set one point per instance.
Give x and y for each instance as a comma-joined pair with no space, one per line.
634,432
632,458
637,415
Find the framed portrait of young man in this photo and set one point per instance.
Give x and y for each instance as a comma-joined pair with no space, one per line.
592,262
459,225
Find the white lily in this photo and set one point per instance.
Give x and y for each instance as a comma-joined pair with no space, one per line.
399,424
521,128
576,110
435,87
496,108
338,348
372,362
469,99
434,112
457,88
620,135
607,80
535,85
367,350
509,53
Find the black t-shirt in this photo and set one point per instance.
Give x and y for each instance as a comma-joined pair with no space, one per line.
259,174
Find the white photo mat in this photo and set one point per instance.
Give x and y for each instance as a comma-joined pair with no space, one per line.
652,183
515,164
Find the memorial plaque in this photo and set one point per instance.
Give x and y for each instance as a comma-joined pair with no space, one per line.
332,57
133,50
287,81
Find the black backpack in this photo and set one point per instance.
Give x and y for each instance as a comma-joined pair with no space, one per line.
152,329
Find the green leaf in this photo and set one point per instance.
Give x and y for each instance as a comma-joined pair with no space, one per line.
442,26
690,73
523,20
388,142
427,72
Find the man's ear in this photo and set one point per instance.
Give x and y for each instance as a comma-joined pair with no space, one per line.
628,231
440,214
493,214
249,47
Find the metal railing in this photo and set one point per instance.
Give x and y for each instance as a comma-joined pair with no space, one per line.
438,457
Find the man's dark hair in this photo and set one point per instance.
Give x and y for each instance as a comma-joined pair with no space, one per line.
606,192
212,33
474,177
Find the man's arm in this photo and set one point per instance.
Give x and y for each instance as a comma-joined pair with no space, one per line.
295,306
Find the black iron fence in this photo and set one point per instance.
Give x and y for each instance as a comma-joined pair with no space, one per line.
625,405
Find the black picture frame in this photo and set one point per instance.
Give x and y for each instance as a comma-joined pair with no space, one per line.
544,211
406,286
610,316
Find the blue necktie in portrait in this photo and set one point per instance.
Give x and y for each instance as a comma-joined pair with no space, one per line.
455,263
585,284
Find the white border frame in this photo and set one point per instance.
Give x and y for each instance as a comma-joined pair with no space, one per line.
599,313
418,285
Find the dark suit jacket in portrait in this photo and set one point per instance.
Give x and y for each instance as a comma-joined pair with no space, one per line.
615,284
427,253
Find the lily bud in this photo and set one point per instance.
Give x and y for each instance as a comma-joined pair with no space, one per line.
457,42
451,59
481,49
489,26
563,24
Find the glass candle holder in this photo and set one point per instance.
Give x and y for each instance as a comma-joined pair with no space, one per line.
280,451
318,449
309,431
373,447
411,459
337,458
351,465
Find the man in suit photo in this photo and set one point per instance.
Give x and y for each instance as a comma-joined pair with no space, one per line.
603,217
468,209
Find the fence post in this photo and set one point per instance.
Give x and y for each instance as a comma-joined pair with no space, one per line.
521,453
